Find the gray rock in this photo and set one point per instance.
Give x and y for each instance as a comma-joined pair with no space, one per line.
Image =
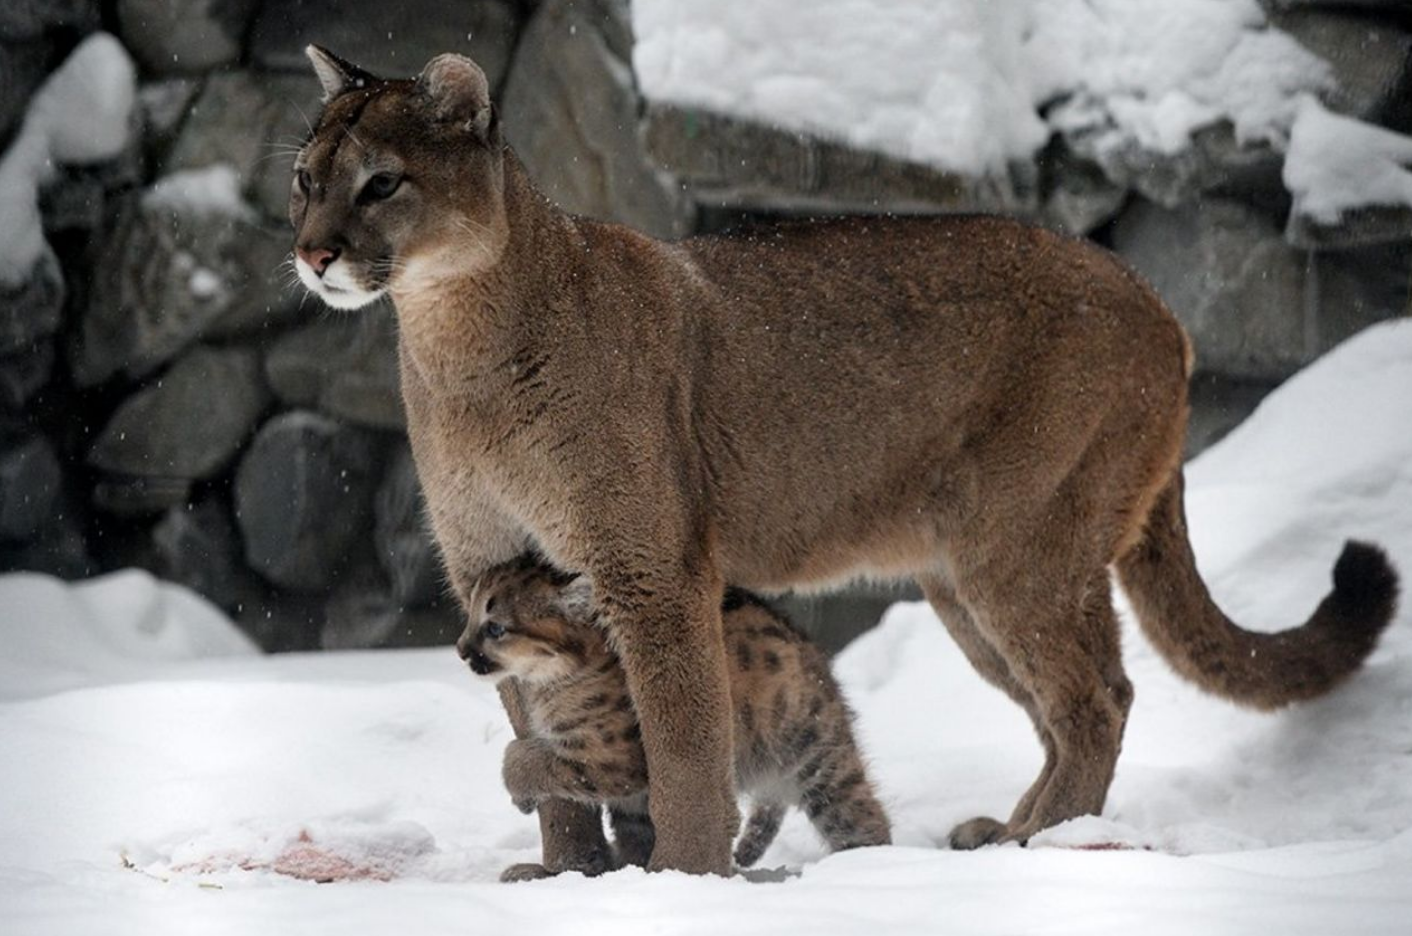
30,19
1215,163
30,479
57,548
303,496
1362,227
31,311
172,272
199,546
254,123
571,113
1077,196
1371,60
23,373
281,622
164,105
184,36
189,422
344,365
405,548
140,497
392,40
1256,308
78,197
736,164
23,66
359,615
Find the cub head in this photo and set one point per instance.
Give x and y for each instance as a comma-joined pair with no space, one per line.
528,620
397,178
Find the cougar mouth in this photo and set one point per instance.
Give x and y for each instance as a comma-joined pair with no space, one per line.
337,287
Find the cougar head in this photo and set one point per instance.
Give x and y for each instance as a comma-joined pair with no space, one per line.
400,180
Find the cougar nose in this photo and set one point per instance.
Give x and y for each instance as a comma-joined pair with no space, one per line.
318,258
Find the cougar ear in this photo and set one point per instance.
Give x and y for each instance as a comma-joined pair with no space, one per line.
336,75
459,92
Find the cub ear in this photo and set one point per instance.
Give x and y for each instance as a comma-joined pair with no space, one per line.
459,92
575,598
336,75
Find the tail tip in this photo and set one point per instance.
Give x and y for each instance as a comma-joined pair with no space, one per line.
1365,585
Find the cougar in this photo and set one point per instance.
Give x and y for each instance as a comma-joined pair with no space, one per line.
534,631
988,408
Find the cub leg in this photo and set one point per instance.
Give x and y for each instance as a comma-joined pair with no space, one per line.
534,771
840,802
760,830
1063,650
988,662
571,833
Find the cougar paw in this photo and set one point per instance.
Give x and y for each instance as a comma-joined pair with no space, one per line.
974,833
525,805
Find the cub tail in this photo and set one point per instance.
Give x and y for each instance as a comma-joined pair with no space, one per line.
760,830
1262,671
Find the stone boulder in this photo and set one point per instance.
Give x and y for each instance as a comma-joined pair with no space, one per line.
23,373
30,481
571,113
199,546
184,36
344,365
405,548
303,498
1370,60
253,123
190,422
23,67
1256,307
31,19
32,310
185,262
392,40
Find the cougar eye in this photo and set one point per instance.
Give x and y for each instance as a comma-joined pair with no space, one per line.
495,630
380,186
303,178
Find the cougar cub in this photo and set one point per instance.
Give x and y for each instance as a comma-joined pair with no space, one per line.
793,742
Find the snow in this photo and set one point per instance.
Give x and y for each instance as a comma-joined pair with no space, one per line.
159,776
211,190
82,114
1336,163
969,85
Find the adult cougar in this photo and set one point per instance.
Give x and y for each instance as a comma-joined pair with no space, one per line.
988,408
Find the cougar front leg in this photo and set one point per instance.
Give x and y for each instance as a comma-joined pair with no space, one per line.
667,631
571,833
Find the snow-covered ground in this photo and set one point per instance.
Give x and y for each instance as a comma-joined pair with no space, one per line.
159,776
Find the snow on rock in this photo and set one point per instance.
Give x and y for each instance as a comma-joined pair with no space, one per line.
212,190
962,83
1336,163
82,114
162,785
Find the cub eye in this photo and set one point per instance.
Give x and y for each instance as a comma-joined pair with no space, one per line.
381,186
495,630
303,178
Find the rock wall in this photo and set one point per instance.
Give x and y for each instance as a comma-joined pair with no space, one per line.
169,399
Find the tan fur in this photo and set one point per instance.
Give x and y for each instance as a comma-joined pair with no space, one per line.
987,407
793,737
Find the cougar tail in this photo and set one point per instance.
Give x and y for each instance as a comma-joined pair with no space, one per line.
1263,671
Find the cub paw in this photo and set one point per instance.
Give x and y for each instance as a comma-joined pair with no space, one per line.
977,832
526,871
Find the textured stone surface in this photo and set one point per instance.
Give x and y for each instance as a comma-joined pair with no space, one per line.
184,36
571,113
169,274
1077,196
1256,307
1362,227
31,311
1371,61
303,498
344,365
734,163
133,496
164,105
30,19
79,197
23,373
58,547
189,422
405,549
392,40
29,482
199,546
23,66
253,122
